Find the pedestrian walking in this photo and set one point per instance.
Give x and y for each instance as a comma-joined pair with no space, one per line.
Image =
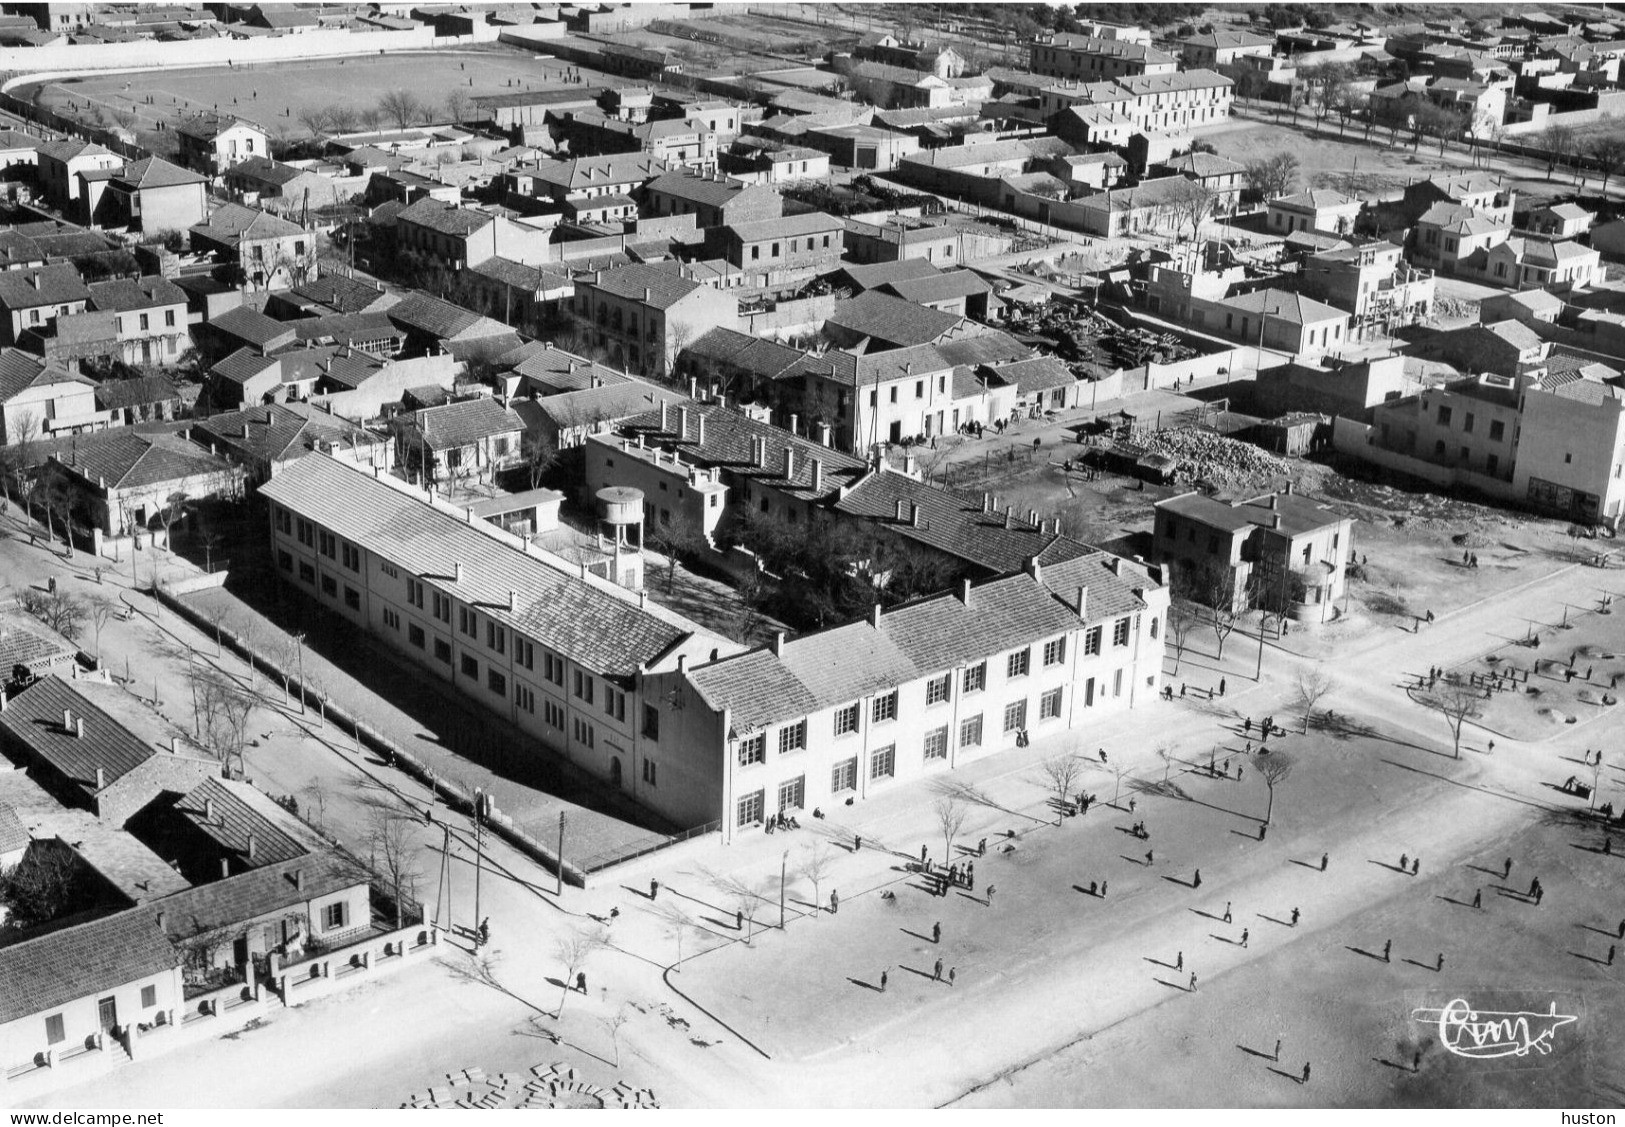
1131,803
1244,937
581,981
952,971
1404,862
1610,954
1238,777
1438,964
1622,929
1179,961
970,873
990,896
834,901
1387,949
1103,755
1416,866
923,854
1534,883
1149,859
1478,899
936,972
1094,888
1540,893
883,977
936,933
981,849
1262,829
739,920
1323,859
1277,1048
857,842
1103,890
1247,726
1227,911
1221,686
1306,1072
1416,1061
1506,869
654,889
1196,881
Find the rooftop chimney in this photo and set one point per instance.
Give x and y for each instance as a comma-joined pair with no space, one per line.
662,416
1034,568
874,617
789,463
817,475
899,515
79,728
964,591
1275,520
513,600
101,778
298,876
253,845
208,809
160,918
174,745
987,502
1083,602
457,572
914,514
1289,489
682,424
1009,519
823,434
1273,499
225,868
699,427
778,644
795,424
67,720
1116,564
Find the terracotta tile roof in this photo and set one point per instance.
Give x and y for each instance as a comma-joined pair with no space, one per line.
126,460
662,282
764,359
892,320
259,892
949,521
34,719
946,286
13,834
19,371
1298,514
461,424
444,218
137,392
243,365
46,973
441,319
253,327
581,620
556,370
156,172
122,295
228,812
42,285
25,640
340,294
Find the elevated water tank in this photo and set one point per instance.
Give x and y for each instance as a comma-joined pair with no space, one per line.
623,505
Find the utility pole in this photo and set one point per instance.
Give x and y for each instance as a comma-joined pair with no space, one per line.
299,643
479,848
442,885
560,858
784,861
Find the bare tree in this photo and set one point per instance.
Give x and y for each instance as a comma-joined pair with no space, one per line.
174,508
671,538
215,614
394,855
61,611
318,120
1557,141
815,866
1192,202
370,117
678,923
1166,752
1273,176
1275,768
1608,150
540,453
1063,773
315,798
1312,685
1182,619
458,104
1221,605
400,106
950,814
1458,702
342,118
99,609
573,949
613,1023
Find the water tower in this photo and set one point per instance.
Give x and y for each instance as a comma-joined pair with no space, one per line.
622,527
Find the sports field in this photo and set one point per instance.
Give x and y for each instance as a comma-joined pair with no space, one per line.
275,94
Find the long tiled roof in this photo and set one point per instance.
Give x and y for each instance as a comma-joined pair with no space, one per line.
949,521
42,285
664,285
126,460
461,424
916,640
941,287
34,719
605,403
789,227
440,319
339,293
1298,514
892,320
444,218
986,348
258,892
228,812
762,358
13,834
141,390
582,621
877,274
251,325
156,172
46,973
687,185
1039,374
25,640
560,371
243,365
121,295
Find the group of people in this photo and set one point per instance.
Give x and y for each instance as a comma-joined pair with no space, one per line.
781,821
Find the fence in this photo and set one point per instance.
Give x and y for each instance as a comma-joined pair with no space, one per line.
319,975
620,855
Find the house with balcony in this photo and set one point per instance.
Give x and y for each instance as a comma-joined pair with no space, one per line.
1373,283
1453,238
149,316
35,298
271,252
472,438
782,253
644,314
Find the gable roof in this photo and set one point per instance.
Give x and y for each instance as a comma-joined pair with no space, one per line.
122,295
51,970
464,423
685,184
116,394
20,371
659,285
42,285
126,460
156,172
434,317
340,293
445,218
584,621
952,522
254,327
33,718
945,286
1284,305
893,320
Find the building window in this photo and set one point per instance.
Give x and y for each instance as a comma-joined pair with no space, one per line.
334,916
442,607
883,762
524,654
753,749
326,543
525,697
471,668
496,638
885,707
1498,430
793,737
584,733
750,809
352,557
149,997
1049,705
970,731
330,586
1120,632
615,704
352,597
468,622
649,771
936,744
583,686
553,714
937,689
976,678
553,668
442,650
55,1032
1017,664
414,634
1444,416
793,793
414,593
846,720
284,560
844,776
1055,652
496,682
1015,716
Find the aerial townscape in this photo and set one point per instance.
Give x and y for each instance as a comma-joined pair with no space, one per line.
1125,496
